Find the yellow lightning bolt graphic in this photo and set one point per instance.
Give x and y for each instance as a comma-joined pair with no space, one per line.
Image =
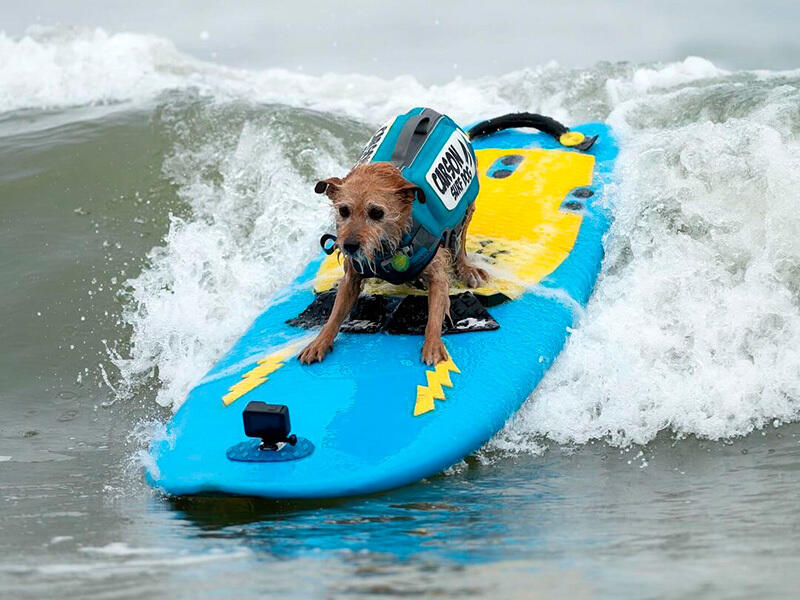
439,376
258,375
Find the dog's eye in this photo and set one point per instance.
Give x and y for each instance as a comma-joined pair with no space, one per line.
344,211
375,213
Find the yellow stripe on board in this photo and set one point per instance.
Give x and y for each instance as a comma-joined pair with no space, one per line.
437,377
258,375
518,226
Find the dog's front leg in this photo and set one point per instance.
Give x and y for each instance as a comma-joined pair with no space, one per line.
435,274
346,296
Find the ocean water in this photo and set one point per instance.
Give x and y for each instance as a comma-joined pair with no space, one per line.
153,199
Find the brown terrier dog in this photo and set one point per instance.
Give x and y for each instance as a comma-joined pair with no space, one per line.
372,205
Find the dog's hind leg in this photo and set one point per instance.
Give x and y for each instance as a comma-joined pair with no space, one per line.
470,275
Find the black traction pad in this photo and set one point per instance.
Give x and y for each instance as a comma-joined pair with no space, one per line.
398,314
369,315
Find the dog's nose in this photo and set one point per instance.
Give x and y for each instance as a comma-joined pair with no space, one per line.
350,246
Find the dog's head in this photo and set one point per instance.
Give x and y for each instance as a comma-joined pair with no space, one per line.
372,205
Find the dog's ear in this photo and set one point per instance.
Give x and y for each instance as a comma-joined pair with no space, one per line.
407,191
329,186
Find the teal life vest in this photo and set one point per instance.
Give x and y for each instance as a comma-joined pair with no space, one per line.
434,154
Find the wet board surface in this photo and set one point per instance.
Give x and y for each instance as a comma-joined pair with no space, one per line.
372,416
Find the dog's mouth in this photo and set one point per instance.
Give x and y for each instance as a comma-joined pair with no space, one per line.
362,259
356,255
359,258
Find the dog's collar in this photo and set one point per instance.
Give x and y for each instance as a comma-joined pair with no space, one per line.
406,262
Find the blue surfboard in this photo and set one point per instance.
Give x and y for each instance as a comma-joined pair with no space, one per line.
372,416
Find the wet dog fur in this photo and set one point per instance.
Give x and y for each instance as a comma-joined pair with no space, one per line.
372,206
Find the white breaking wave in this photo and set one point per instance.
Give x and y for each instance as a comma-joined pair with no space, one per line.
694,325
215,273
50,68
63,67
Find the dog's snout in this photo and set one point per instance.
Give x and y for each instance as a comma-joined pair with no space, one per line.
351,246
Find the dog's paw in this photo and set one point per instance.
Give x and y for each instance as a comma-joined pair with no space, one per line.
315,351
433,352
471,276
